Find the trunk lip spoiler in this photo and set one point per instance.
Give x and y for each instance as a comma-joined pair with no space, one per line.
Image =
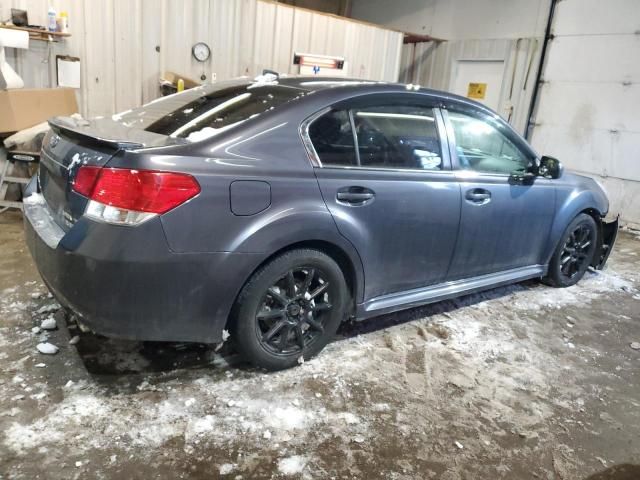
60,124
608,236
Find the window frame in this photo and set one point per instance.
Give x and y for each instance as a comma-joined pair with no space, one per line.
481,115
374,100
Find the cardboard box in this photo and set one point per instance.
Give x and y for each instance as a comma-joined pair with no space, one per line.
25,107
169,83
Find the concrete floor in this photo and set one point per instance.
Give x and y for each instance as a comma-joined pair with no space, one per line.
519,382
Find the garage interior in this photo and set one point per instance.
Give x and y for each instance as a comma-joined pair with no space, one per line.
518,382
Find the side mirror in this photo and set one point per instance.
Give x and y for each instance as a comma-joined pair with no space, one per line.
550,167
521,177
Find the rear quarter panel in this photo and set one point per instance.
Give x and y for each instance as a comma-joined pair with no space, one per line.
270,151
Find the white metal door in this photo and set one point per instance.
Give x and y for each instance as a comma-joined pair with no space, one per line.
480,80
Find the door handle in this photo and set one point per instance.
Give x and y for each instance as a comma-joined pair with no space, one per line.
354,195
478,196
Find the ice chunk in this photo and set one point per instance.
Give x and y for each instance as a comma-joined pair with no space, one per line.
227,468
52,307
47,348
292,465
48,324
34,199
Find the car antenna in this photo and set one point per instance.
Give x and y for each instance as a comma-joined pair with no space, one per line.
266,71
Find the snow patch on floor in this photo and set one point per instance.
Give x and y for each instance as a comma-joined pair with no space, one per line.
222,411
292,465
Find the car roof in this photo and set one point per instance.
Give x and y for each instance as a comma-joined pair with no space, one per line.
341,87
309,82
362,86
344,88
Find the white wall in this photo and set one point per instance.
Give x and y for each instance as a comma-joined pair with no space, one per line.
434,67
458,19
116,41
509,31
588,108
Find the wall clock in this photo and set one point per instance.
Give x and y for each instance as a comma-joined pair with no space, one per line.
201,52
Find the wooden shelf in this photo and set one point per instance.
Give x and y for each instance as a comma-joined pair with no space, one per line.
37,34
416,38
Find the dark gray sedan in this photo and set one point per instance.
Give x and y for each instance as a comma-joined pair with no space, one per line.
275,209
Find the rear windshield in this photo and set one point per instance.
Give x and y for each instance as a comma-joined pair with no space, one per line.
206,111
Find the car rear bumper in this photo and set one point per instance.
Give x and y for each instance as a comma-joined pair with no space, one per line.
125,282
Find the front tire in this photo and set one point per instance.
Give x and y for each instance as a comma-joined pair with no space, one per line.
289,309
574,252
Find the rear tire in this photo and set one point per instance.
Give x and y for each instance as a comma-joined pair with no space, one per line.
574,252
290,308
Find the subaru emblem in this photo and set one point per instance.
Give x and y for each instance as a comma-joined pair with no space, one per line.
53,141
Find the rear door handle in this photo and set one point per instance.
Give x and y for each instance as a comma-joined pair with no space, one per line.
355,195
479,196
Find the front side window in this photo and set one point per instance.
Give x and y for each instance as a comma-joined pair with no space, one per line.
482,147
395,137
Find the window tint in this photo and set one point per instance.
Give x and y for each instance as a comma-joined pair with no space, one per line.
482,147
206,111
332,139
399,136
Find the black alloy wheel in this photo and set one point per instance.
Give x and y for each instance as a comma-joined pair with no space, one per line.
574,252
293,311
289,309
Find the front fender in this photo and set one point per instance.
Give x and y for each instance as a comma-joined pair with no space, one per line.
575,196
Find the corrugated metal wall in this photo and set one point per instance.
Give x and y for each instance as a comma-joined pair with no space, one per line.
432,64
117,40
588,110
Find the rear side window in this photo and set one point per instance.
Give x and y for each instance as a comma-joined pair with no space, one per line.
394,137
332,138
398,137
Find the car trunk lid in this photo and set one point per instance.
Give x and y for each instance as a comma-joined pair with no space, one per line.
73,143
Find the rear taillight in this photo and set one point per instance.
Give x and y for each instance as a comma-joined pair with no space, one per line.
85,180
125,196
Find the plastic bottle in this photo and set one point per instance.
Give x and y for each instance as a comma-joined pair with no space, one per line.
51,19
64,22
